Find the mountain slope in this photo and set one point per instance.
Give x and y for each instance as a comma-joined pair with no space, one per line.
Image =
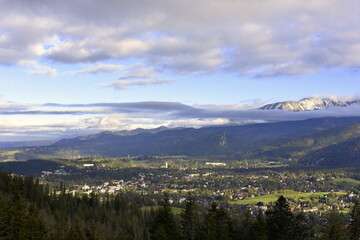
296,147
344,154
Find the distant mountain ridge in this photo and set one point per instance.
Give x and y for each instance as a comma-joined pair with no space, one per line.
308,104
126,132
221,140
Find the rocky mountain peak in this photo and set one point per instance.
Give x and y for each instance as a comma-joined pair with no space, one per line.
307,104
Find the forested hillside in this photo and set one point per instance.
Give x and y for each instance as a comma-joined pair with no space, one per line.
30,210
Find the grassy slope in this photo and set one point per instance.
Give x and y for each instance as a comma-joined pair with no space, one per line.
273,197
348,180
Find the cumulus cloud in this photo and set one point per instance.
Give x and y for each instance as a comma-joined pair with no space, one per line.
258,38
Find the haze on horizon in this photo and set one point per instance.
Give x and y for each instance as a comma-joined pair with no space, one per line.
75,67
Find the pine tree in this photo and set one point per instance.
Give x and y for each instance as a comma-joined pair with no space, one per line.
260,227
17,214
301,227
92,232
334,228
4,220
76,231
190,225
279,221
354,227
217,224
59,229
209,230
34,225
247,230
164,226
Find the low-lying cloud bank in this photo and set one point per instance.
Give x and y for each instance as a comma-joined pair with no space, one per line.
59,120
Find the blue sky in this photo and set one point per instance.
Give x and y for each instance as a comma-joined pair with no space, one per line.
204,54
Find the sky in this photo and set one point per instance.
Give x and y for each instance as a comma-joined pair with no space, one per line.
78,67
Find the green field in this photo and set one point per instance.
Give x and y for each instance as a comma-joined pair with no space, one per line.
8,156
287,194
347,180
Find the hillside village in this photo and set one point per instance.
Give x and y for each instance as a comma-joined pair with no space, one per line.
233,188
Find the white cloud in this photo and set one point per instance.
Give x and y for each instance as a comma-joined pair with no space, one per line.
354,97
118,122
258,38
13,107
125,85
197,123
102,68
44,71
58,120
137,71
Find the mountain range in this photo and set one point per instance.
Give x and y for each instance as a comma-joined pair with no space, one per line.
281,140
326,141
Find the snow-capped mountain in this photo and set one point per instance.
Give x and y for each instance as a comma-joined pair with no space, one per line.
308,104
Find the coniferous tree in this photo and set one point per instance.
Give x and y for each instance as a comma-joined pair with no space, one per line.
279,221
59,228
334,228
260,227
76,231
4,220
354,227
17,214
301,227
190,223
217,224
164,226
91,232
34,225
209,230
248,229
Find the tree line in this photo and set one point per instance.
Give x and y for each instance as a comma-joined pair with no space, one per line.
31,210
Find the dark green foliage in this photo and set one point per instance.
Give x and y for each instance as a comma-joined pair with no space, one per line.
279,221
190,222
354,227
217,224
301,227
28,210
334,228
30,167
259,227
35,226
252,228
76,231
282,224
164,226
4,220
